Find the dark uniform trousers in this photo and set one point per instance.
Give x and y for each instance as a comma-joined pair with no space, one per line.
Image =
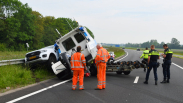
145,60
166,69
154,66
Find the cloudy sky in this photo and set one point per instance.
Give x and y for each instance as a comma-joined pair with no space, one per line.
120,21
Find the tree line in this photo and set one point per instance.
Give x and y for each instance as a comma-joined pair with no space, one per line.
174,44
19,25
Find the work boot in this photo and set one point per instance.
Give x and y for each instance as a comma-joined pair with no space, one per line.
146,82
156,83
82,89
168,81
97,89
164,81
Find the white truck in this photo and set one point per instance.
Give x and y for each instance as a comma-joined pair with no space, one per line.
68,44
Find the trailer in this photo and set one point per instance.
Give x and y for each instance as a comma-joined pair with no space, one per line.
120,67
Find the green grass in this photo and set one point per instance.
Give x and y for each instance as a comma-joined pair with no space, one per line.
6,55
15,76
117,51
178,57
42,73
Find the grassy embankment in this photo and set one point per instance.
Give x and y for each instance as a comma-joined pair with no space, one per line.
16,76
6,55
117,51
161,50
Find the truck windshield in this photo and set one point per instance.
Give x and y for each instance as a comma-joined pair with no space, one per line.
79,37
68,44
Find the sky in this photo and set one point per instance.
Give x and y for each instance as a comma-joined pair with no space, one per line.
120,21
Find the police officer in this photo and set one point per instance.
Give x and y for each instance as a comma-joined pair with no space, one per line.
152,63
167,62
145,56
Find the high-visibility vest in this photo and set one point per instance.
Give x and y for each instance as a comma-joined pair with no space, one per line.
78,61
145,54
168,51
102,56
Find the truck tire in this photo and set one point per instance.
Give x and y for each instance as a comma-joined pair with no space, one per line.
119,72
51,59
66,74
93,70
118,63
65,60
126,72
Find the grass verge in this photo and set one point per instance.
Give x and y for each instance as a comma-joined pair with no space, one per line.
6,55
117,51
178,57
15,76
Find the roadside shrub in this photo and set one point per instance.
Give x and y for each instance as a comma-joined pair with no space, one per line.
2,47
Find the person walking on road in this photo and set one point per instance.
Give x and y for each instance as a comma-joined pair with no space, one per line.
152,63
167,63
145,56
78,64
100,61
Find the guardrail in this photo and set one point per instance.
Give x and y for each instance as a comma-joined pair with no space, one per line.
13,61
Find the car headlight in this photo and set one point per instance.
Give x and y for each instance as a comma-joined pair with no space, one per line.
43,51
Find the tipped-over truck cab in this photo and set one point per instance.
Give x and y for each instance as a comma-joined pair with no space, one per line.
67,44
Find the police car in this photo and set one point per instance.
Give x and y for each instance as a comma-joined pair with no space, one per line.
45,55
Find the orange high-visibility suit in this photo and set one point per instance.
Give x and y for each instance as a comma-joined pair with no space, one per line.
100,61
77,65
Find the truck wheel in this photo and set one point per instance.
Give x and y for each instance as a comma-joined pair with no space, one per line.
51,59
93,70
66,74
119,72
126,72
118,63
65,61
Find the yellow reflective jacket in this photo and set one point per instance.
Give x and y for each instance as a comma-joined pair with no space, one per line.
145,54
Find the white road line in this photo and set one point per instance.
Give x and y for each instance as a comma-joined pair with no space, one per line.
123,57
175,64
36,92
136,79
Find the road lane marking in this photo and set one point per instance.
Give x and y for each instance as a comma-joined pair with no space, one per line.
174,64
136,79
177,65
123,57
36,92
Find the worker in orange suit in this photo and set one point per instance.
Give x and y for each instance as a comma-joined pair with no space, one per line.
100,61
78,64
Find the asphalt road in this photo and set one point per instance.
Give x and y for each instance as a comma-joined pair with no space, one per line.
119,88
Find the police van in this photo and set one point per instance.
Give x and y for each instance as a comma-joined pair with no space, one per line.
67,44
